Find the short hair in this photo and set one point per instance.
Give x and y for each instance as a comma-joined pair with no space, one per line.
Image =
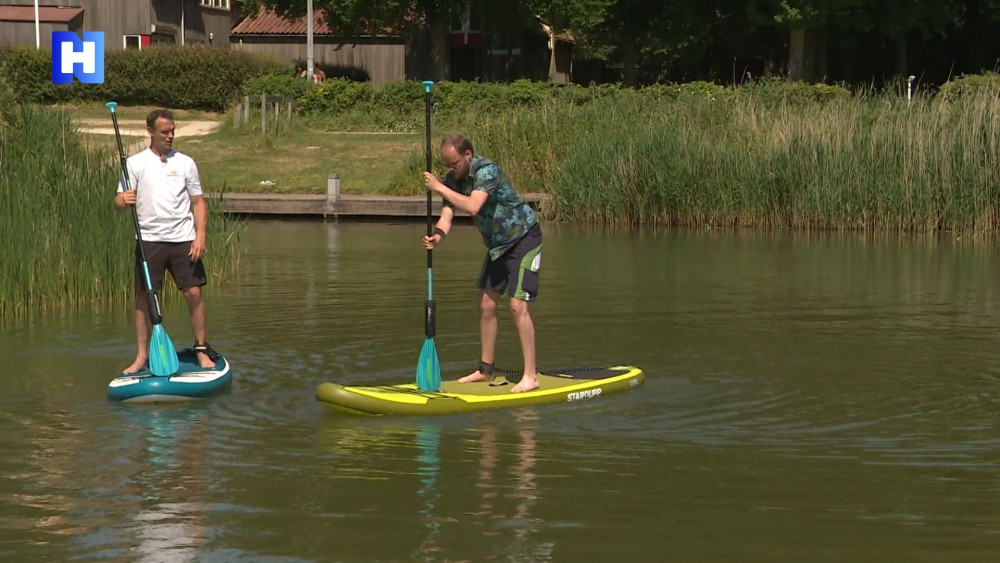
156,114
459,143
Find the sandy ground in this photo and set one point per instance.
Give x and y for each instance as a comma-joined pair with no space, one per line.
137,127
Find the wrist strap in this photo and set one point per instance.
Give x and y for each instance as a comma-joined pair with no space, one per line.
438,231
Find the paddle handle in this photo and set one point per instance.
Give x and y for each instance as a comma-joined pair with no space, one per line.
153,302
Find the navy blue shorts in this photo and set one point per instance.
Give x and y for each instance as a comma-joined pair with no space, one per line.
516,270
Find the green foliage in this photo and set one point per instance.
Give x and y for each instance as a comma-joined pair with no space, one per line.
337,95
971,86
399,106
276,85
169,76
773,91
688,90
774,155
28,71
9,102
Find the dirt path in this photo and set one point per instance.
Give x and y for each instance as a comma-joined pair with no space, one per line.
137,127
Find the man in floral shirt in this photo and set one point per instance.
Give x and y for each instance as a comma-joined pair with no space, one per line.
513,239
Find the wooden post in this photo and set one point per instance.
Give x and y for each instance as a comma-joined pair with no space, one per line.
277,118
246,110
263,115
290,112
236,116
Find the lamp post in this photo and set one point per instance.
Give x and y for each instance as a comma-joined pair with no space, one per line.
309,40
38,34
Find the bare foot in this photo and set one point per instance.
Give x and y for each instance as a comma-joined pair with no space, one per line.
138,365
527,383
204,361
475,377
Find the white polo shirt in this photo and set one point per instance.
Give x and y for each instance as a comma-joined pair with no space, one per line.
164,187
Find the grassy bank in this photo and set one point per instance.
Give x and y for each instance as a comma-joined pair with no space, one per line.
771,155
298,158
68,246
873,164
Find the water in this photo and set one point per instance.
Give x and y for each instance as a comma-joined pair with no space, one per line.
821,397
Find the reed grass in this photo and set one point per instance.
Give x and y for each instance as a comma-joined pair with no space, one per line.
749,160
66,246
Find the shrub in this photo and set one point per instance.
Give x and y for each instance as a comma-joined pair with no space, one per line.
171,76
967,86
276,85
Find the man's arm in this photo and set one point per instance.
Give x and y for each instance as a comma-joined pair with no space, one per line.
444,221
125,198
470,204
199,209
440,229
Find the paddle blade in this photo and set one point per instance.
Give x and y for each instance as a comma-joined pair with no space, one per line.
428,368
162,354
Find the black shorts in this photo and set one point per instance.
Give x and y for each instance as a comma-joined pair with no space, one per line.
516,270
172,257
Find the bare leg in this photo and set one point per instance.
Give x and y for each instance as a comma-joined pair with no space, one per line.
141,334
199,322
526,333
487,334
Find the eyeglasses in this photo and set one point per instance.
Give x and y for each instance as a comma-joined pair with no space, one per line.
454,163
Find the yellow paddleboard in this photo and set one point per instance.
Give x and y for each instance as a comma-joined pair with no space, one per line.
557,386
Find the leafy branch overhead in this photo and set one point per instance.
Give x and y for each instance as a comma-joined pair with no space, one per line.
652,40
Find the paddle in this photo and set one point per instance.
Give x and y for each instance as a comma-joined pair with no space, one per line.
162,354
428,368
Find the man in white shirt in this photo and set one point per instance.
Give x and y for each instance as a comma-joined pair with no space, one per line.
173,220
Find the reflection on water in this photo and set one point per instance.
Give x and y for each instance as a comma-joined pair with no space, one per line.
429,467
495,515
170,480
484,512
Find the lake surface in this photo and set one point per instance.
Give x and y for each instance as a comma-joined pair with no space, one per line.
821,397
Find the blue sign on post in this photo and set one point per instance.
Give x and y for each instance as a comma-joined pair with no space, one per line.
72,56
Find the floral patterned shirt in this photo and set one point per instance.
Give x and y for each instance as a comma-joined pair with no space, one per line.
505,217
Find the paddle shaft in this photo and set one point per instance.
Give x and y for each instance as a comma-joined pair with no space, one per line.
152,300
429,307
427,157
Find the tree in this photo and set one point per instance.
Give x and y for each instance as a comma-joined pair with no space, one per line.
430,20
806,22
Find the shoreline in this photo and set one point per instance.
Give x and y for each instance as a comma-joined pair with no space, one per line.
336,206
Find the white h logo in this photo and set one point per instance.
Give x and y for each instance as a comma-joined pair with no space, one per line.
86,57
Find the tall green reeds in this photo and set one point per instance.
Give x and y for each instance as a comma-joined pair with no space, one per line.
751,158
64,243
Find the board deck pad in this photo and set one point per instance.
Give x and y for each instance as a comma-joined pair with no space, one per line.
564,385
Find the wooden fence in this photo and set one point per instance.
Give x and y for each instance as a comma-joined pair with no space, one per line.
241,116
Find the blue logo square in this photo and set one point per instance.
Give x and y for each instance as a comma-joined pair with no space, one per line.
72,56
